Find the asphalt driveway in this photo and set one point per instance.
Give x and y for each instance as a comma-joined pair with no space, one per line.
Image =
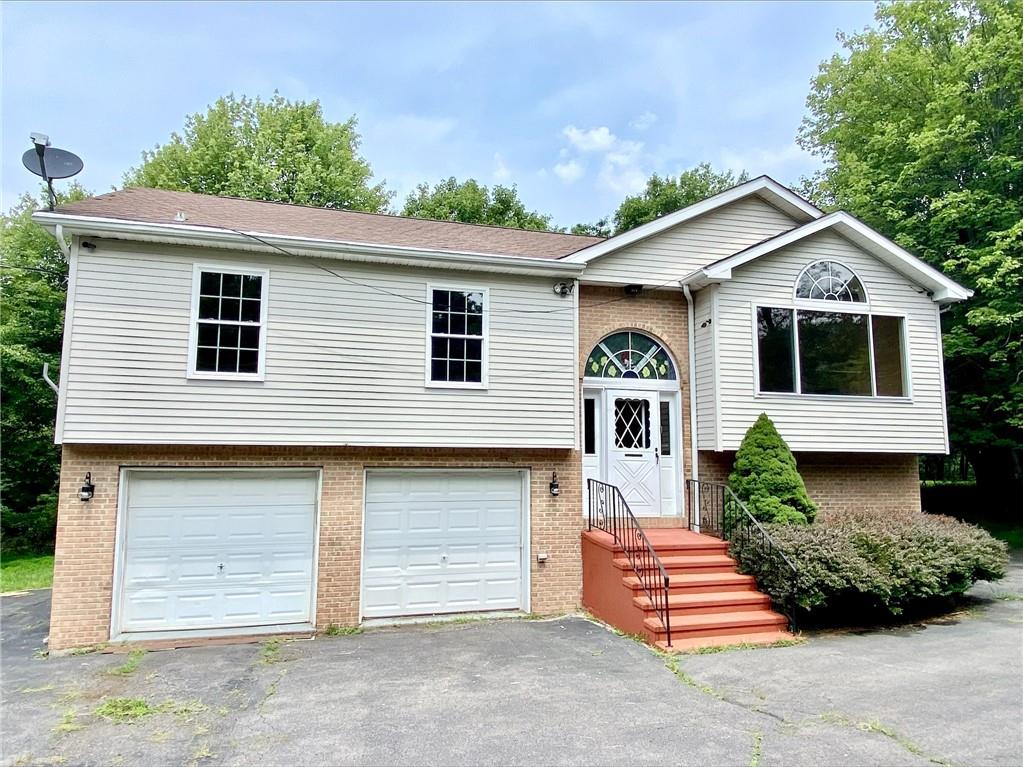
564,691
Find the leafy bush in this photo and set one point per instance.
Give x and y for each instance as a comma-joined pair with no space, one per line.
766,479
866,561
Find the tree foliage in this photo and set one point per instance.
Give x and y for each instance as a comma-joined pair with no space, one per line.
766,479
470,202
32,289
278,150
668,194
920,124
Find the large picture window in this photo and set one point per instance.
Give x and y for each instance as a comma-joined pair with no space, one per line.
457,336
229,314
804,351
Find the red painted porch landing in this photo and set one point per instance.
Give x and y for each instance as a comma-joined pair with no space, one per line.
710,603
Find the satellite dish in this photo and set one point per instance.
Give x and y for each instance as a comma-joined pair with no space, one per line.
58,163
50,163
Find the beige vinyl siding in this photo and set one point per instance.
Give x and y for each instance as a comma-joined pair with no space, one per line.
345,365
703,376
913,424
681,250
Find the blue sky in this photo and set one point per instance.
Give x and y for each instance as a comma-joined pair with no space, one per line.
576,103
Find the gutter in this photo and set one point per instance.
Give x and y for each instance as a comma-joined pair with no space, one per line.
209,236
693,451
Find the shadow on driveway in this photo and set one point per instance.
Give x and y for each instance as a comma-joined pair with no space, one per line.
563,691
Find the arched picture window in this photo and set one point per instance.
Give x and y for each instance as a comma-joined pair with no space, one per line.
629,354
830,281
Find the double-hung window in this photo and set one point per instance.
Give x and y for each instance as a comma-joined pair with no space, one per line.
228,334
458,341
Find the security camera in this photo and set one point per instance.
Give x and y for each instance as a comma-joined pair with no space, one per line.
39,139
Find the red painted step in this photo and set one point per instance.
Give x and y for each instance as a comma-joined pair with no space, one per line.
708,603
693,583
718,624
695,643
686,563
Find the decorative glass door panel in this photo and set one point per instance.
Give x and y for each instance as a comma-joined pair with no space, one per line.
634,449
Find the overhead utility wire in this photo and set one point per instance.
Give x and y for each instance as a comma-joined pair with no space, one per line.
378,289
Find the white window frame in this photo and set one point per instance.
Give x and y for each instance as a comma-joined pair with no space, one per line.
814,301
484,382
193,329
837,307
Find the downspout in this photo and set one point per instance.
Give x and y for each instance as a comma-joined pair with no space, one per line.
695,468
58,232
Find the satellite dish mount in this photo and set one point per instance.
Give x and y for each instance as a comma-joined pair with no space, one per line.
50,163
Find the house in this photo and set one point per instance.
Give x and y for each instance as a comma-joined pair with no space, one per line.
276,417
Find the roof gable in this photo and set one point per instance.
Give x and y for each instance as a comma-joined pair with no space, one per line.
764,187
941,288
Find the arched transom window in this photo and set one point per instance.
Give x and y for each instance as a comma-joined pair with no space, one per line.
830,281
629,354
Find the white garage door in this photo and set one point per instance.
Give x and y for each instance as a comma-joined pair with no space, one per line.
209,551
442,542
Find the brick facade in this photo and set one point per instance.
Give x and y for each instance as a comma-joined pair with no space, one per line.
661,314
84,562
883,482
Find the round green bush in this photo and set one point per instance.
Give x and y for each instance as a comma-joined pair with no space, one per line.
766,479
866,560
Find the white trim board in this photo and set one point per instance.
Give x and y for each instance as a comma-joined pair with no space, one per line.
941,288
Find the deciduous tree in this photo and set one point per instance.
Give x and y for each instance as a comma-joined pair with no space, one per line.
470,202
920,125
278,150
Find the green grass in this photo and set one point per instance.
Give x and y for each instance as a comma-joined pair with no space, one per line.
19,572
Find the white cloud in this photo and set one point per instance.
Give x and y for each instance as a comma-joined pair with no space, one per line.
569,172
644,121
622,171
592,139
621,166
502,172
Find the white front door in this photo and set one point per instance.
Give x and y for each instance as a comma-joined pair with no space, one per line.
442,542
207,551
633,451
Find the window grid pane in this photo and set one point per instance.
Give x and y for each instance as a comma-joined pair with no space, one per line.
229,324
456,342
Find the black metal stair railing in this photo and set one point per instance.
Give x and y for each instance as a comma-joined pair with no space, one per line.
714,509
609,511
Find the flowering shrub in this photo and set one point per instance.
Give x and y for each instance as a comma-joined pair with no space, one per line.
865,560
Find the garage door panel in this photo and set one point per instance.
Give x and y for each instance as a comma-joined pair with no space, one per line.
217,550
442,542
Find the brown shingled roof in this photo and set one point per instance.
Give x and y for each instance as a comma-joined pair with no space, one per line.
162,206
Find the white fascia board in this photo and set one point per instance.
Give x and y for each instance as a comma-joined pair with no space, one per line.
942,289
770,190
204,236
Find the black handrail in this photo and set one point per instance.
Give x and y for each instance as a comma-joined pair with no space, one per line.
610,512
714,509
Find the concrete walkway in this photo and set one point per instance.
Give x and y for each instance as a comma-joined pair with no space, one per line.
564,691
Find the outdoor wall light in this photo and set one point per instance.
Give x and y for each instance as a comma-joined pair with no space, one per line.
564,288
633,290
88,489
555,487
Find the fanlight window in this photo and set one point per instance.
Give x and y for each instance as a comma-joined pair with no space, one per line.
830,281
630,355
